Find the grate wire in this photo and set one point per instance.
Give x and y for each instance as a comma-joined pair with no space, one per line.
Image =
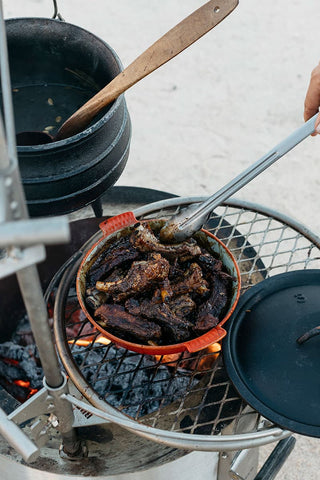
189,393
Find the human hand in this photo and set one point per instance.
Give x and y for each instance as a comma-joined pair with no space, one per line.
312,100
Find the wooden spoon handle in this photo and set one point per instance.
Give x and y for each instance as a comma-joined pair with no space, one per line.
168,46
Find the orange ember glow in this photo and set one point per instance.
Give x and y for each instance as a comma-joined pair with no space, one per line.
185,360
81,342
25,384
22,383
189,362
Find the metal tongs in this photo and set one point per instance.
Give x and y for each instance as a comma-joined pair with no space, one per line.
191,219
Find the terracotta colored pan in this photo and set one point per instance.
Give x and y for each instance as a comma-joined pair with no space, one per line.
122,225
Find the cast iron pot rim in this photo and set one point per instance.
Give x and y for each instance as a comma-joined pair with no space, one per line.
88,131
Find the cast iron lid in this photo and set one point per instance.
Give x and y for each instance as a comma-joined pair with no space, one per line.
276,375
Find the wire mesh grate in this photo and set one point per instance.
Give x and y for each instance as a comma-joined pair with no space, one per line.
188,393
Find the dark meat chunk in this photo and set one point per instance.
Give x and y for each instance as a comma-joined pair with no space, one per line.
210,311
94,298
192,281
204,323
123,253
116,320
209,263
145,240
176,269
175,329
182,306
133,306
141,277
164,293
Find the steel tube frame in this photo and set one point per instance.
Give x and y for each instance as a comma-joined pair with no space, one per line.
30,232
17,439
28,277
183,440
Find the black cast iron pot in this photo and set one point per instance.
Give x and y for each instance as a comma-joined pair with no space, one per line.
55,68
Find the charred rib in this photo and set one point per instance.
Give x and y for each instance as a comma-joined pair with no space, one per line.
118,321
145,240
141,276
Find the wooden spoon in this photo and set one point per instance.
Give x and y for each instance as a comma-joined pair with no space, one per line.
171,44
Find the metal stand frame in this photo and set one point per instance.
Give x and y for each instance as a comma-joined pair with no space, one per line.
24,239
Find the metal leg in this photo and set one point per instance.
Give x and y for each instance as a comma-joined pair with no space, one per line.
97,207
29,283
276,459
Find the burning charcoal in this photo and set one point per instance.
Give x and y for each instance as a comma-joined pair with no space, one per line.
23,334
145,240
116,320
182,306
141,276
193,281
137,385
119,254
20,363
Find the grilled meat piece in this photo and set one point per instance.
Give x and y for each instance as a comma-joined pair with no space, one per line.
145,240
210,311
174,329
116,320
141,277
204,323
192,281
119,255
133,306
182,306
94,298
176,270
209,263
164,293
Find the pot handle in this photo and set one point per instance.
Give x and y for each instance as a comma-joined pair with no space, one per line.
213,336
118,222
56,13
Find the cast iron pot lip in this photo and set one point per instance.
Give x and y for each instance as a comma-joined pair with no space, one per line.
102,121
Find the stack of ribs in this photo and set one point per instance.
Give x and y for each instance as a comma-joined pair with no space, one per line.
157,294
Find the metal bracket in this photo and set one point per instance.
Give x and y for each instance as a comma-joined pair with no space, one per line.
16,259
41,403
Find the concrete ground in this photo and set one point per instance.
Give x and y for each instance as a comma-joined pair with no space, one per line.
219,106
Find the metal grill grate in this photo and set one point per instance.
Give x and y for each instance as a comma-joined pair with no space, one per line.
182,393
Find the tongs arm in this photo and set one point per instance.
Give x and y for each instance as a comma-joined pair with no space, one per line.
191,219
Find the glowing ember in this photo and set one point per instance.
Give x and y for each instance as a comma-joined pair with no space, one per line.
81,342
188,361
26,384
